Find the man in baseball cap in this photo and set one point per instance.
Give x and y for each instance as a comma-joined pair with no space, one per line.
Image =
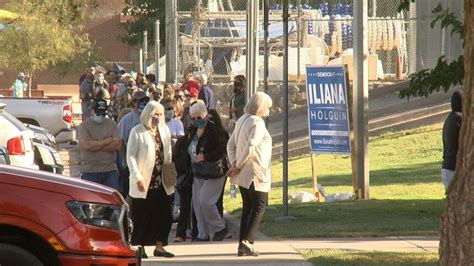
98,142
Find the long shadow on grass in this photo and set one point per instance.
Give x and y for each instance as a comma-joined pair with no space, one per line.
370,218
418,174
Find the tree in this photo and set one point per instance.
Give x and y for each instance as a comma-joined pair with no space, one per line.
144,13
47,33
457,221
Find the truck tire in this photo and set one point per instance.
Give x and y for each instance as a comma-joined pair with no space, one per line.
14,256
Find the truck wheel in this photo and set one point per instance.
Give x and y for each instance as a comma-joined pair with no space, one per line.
14,256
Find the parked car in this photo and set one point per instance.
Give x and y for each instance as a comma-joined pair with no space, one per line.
4,157
18,140
53,114
48,158
46,154
43,136
48,219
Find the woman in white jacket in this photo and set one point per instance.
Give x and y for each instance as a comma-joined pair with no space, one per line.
250,151
148,148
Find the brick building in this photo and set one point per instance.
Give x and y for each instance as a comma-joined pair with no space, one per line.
104,28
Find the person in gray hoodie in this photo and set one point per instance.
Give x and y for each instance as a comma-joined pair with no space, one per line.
451,130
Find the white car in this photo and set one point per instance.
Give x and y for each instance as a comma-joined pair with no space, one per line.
17,139
53,114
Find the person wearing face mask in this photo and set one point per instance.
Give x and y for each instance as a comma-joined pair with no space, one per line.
250,153
87,95
125,126
175,125
148,148
206,143
176,129
98,142
237,100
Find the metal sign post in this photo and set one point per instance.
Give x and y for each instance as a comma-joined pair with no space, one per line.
285,104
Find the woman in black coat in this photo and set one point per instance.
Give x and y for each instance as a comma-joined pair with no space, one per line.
207,145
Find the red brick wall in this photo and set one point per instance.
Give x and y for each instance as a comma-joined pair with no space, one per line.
104,29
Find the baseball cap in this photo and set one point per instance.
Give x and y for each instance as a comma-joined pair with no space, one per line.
100,107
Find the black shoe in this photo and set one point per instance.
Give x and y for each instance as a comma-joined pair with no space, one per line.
219,236
244,250
201,239
165,254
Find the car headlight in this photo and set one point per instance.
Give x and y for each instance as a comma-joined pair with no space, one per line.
101,215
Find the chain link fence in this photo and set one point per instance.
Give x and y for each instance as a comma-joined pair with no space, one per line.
213,37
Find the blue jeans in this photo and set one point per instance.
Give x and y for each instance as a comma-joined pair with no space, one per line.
110,179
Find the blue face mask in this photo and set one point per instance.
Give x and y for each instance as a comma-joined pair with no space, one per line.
200,123
99,119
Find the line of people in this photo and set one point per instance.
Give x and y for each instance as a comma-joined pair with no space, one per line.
180,129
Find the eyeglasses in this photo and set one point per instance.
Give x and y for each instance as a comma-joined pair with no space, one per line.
196,118
178,97
169,109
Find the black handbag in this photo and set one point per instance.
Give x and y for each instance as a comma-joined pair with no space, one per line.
210,170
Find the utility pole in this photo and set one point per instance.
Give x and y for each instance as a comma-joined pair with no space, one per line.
266,53
252,47
157,51
145,50
171,40
285,104
361,98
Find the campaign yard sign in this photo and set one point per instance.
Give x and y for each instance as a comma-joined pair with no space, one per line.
328,117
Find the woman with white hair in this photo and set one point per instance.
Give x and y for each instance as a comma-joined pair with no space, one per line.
206,144
148,148
250,151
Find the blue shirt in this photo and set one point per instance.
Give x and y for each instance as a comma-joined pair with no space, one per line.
18,88
207,95
126,124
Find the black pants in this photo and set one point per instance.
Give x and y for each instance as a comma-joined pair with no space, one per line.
151,218
253,208
184,212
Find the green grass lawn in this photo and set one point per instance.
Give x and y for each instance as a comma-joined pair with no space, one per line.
406,193
343,258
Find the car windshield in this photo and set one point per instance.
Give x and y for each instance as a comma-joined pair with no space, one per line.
18,124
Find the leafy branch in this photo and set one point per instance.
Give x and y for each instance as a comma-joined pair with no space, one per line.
444,74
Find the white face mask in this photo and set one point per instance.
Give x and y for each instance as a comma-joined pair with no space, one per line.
99,119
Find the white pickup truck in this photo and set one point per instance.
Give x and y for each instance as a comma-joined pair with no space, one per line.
53,114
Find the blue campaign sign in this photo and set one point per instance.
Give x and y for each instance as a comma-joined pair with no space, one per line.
328,117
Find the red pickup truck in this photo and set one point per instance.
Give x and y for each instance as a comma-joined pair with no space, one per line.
48,219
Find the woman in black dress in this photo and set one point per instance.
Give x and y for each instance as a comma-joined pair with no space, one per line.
148,148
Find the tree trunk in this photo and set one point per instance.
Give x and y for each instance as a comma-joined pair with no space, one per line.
457,221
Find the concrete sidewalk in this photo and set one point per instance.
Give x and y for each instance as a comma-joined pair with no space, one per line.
390,244
280,252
